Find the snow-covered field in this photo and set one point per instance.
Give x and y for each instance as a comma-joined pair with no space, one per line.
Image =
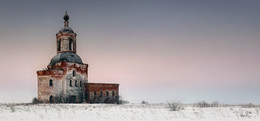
126,112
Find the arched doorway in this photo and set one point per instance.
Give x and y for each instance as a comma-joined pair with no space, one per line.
51,99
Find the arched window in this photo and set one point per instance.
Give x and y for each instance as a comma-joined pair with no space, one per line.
51,99
107,93
70,44
113,93
76,83
59,43
101,93
50,83
80,83
73,73
70,83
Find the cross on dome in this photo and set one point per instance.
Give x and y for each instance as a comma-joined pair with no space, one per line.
66,18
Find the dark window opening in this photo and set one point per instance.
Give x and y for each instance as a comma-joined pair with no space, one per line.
80,83
70,45
71,83
107,93
50,83
51,99
74,73
95,93
113,93
101,93
76,84
59,43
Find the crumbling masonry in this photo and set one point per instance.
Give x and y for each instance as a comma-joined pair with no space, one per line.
66,78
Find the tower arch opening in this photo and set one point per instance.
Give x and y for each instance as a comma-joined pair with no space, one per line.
71,44
59,45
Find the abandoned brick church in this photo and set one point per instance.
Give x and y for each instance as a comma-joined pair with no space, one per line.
65,80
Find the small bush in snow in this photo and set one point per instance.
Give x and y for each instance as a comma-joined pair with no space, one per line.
12,109
144,102
249,105
11,105
203,104
175,106
35,101
215,104
257,111
121,101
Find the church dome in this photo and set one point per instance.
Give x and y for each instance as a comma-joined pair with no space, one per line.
67,57
66,29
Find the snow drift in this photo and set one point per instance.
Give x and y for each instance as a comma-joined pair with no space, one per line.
125,112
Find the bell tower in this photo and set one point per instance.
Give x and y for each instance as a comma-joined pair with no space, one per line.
65,80
66,38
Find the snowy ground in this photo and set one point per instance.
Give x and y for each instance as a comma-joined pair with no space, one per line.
127,112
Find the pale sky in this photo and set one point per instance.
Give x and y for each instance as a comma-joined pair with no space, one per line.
157,50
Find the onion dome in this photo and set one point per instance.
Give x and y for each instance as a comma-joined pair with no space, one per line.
66,27
67,57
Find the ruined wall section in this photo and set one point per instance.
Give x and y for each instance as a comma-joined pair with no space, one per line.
45,90
68,82
101,93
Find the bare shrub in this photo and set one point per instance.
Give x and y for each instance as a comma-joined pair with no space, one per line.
249,105
257,111
35,101
215,104
144,102
203,104
12,109
121,100
175,106
11,106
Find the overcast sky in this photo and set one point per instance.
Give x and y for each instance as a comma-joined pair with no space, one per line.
157,50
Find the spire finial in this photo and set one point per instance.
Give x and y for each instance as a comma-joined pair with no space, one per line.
66,18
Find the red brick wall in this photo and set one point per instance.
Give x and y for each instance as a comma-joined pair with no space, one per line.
111,89
59,73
